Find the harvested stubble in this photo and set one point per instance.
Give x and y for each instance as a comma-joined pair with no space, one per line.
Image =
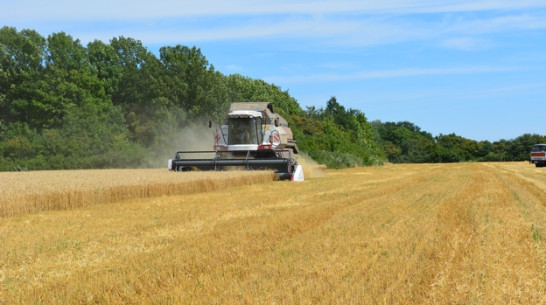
29,192
399,234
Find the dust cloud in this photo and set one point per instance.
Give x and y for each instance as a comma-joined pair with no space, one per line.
311,169
197,136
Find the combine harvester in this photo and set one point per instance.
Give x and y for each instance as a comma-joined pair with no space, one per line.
253,137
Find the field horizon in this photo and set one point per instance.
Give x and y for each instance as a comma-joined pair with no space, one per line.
463,233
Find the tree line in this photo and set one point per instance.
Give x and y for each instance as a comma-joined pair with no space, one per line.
404,142
64,105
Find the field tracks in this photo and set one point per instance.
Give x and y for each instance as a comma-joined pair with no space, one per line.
466,233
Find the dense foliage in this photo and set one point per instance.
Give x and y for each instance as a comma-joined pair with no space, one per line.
403,142
337,137
65,105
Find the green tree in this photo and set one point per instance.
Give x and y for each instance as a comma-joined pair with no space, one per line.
139,89
520,147
96,138
404,142
106,64
140,80
190,78
21,56
70,80
337,137
245,89
457,148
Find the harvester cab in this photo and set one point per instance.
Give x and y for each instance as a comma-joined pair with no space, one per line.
252,137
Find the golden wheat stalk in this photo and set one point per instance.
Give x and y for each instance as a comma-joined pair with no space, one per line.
29,192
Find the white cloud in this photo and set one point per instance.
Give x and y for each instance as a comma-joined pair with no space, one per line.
234,68
499,24
146,9
334,23
327,31
395,73
467,43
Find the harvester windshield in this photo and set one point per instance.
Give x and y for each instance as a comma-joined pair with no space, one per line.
539,147
246,130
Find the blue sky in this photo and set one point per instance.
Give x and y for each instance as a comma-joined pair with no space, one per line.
476,68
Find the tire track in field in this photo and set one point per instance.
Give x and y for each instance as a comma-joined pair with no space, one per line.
532,179
490,258
329,196
264,238
407,235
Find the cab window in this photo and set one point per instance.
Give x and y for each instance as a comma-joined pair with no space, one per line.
243,131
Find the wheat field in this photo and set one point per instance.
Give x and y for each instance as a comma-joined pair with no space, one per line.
469,233
28,192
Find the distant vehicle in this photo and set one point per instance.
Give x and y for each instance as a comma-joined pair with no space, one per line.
538,155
